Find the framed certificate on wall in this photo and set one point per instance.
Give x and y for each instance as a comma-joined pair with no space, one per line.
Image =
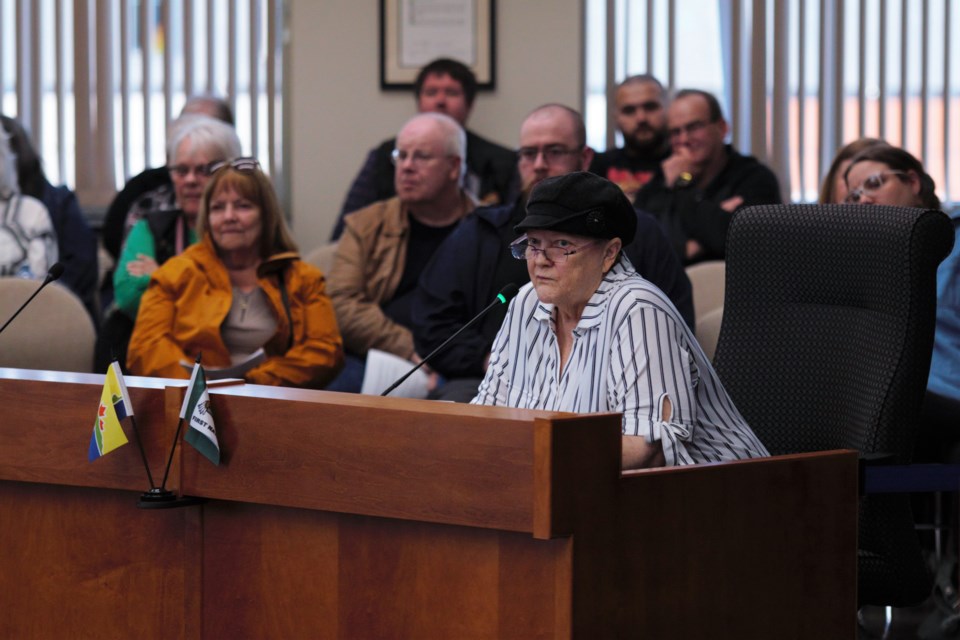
415,32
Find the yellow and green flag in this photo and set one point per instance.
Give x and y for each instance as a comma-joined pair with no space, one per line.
114,407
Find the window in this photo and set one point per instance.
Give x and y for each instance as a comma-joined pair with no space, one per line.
797,79
99,80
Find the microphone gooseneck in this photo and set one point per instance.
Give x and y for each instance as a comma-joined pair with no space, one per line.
506,295
53,273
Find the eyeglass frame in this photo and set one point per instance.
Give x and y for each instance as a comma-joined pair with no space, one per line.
854,195
417,158
529,155
521,244
184,170
246,164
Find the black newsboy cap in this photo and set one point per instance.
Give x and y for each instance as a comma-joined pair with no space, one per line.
583,204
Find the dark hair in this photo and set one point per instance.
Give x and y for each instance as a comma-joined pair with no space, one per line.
449,67
641,78
900,160
827,196
29,170
716,113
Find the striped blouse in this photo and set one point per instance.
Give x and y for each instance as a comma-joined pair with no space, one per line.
631,350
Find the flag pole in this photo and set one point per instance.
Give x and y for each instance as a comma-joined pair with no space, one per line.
163,485
160,497
143,454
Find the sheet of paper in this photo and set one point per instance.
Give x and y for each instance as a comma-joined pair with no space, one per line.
383,369
233,371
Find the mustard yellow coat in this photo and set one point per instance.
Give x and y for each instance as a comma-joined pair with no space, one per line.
189,297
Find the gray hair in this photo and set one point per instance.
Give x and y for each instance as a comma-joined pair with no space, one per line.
210,134
9,185
454,137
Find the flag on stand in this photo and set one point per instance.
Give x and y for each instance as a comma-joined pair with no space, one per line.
114,407
201,432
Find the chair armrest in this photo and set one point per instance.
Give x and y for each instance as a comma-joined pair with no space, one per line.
908,478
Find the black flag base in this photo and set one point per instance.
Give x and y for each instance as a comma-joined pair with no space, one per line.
164,499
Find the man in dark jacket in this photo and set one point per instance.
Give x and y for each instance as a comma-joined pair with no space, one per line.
443,86
697,189
640,112
474,262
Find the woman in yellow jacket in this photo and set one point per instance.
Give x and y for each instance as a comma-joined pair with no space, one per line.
240,289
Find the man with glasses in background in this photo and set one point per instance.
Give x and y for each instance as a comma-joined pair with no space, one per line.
475,262
641,116
442,86
385,246
704,180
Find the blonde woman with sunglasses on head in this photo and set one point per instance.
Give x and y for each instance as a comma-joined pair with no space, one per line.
240,289
165,224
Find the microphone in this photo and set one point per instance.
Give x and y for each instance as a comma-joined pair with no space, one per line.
53,273
506,295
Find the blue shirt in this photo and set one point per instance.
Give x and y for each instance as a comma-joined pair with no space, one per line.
945,365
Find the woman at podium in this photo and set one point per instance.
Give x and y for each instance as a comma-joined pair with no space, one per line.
588,334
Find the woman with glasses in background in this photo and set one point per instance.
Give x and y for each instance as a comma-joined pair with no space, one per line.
892,176
164,223
588,334
833,189
884,174
241,296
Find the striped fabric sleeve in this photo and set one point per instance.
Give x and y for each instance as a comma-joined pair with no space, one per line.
650,364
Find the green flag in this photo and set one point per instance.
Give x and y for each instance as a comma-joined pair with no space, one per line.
201,432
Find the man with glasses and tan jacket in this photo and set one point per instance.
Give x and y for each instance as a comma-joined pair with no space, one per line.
385,246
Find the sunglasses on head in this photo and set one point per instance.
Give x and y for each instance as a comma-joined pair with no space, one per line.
240,164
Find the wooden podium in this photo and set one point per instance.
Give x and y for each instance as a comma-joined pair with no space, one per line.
344,516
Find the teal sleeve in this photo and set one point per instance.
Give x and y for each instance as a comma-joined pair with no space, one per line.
128,289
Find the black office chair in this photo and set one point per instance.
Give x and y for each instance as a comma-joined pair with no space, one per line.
825,344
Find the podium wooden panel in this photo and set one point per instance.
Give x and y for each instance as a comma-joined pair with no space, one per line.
339,516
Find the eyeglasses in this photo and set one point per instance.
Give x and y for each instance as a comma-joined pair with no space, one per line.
184,170
551,153
690,128
416,158
871,185
245,164
522,250
647,107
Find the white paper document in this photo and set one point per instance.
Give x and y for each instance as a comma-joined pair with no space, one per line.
236,370
383,369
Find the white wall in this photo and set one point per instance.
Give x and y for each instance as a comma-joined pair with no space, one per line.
336,112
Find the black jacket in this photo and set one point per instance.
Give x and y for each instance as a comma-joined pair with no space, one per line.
690,213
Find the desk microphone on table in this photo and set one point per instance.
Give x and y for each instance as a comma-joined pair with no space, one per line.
506,295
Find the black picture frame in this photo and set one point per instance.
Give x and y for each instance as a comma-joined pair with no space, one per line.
405,47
